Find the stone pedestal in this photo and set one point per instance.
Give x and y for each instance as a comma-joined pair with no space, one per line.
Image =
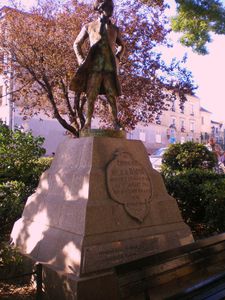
99,205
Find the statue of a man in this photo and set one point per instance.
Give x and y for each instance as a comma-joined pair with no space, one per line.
97,73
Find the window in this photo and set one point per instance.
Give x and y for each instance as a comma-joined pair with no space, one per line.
142,136
1,61
1,94
158,138
182,108
130,136
173,123
173,106
182,126
182,140
192,126
158,120
203,121
192,110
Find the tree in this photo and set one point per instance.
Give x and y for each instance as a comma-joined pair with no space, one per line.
197,19
40,43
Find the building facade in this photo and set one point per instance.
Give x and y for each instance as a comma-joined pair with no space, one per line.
176,125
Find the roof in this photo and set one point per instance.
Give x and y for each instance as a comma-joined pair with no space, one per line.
205,110
215,122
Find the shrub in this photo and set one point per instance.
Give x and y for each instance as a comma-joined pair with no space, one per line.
39,166
42,164
18,153
189,155
190,177
21,165
194,190
20,169
12,196
215,204
9,256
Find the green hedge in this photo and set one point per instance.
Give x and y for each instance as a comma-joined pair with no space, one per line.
215,204
12,195
21,166
189,155
189,174
19,152
200,195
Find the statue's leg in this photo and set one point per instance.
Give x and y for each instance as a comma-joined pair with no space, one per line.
110,89
93,87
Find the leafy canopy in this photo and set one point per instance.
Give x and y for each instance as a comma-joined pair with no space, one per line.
197,19
41,44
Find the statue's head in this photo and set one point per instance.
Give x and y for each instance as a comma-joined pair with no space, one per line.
104,7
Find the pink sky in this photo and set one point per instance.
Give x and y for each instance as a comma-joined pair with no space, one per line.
208,72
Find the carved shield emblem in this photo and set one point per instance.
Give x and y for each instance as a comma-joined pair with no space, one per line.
129,184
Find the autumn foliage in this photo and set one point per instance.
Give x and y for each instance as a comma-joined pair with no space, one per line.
42,62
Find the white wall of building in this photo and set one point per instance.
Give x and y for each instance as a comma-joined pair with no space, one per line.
48,128
4,103
154,136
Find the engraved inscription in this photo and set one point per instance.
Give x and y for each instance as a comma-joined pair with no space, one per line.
115,253
129,184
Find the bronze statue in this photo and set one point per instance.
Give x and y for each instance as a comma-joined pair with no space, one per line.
97,74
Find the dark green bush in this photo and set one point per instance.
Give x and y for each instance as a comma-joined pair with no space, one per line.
215,204
12,195
39,166
189,174
19,152
21,165
8,256
189,155
200,195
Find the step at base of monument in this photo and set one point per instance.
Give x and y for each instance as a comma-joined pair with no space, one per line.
99,286
194,271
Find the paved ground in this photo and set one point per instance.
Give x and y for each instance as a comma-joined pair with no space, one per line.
12,291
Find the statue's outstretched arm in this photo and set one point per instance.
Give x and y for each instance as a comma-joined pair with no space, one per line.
77,46
121,44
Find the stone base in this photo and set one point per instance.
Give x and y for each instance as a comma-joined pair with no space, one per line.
100,204
57,285
103,133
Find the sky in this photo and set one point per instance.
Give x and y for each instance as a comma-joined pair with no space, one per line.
208,70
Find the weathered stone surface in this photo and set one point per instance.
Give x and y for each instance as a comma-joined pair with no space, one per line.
99,205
